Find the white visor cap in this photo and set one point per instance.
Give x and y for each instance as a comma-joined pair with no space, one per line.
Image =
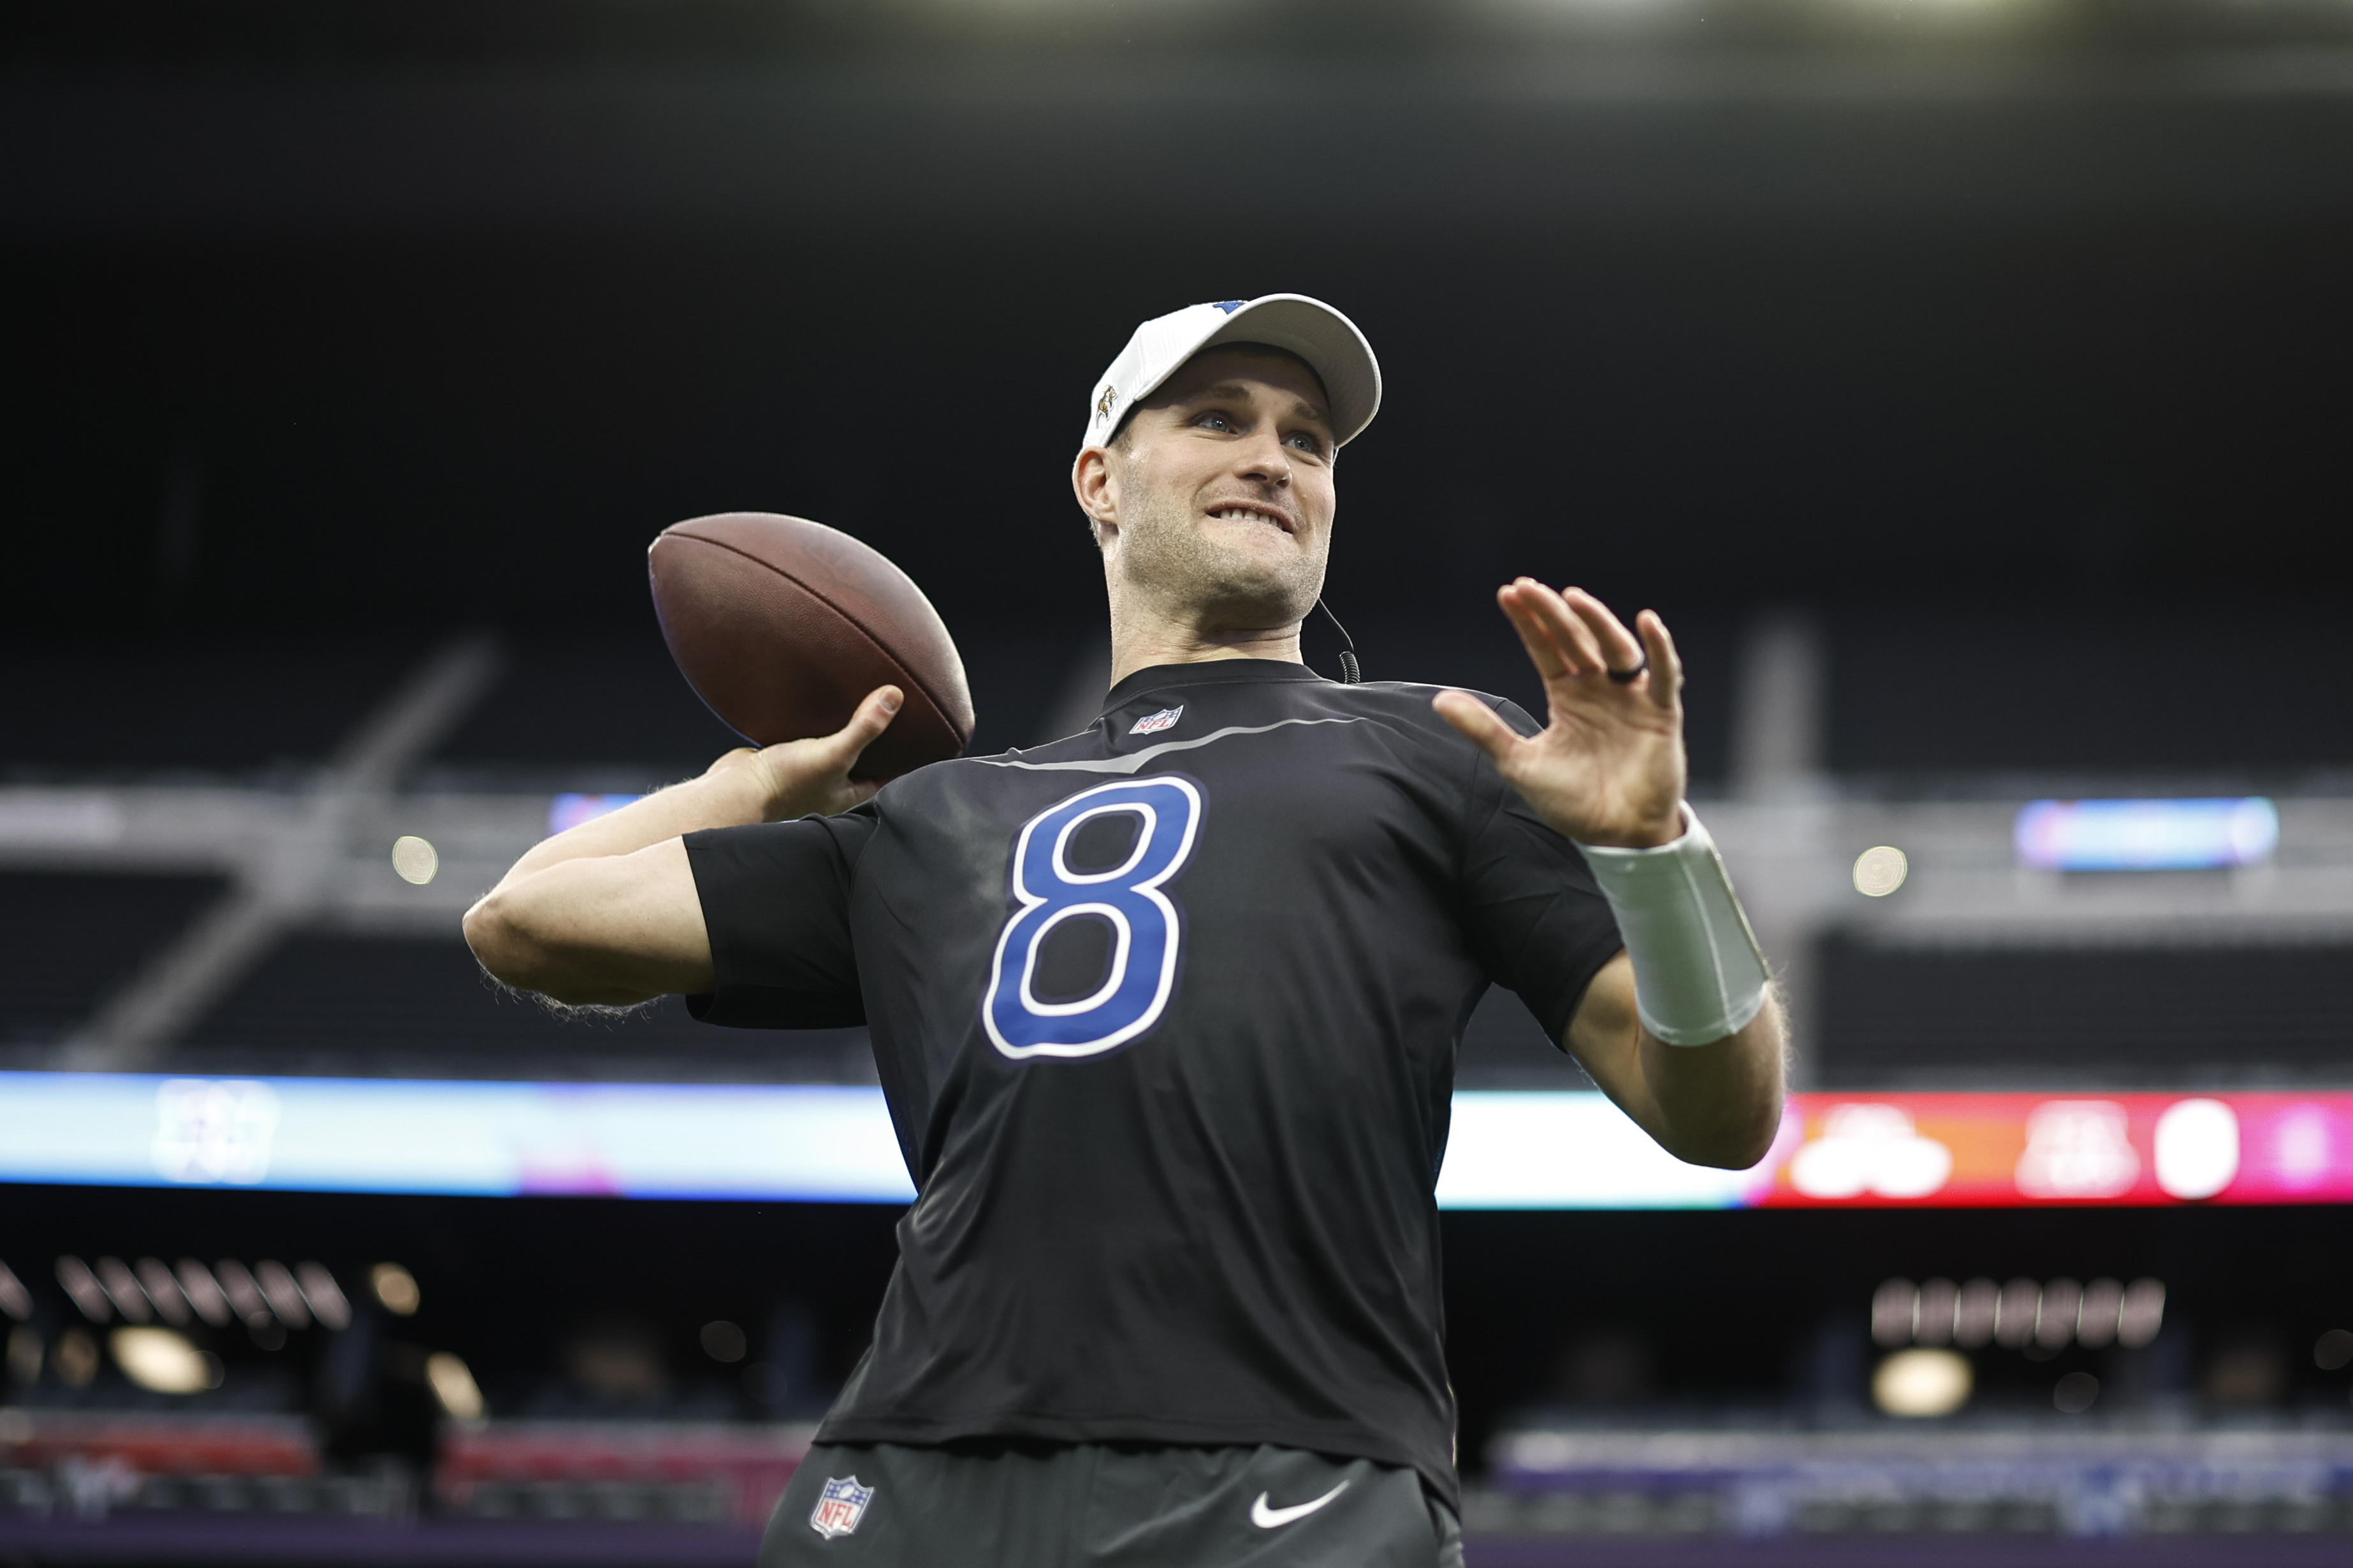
1326,340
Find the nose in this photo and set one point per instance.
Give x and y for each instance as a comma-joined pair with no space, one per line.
1264,458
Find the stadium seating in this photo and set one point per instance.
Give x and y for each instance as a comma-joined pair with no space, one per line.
421,1006
2084,1016
216,706
69,939
2066,692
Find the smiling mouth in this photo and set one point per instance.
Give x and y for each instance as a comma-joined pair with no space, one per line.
1251,514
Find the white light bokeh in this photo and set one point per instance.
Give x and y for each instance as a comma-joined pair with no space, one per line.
2196,1148
2142,1313
324,1297
395,1287
161,1361
1974,1311
2015,1309
1933,1316
2095,1320
2054,1323
415,859
1895,1306
453,1385
204,1293
1880,870
1921,1383
164,1291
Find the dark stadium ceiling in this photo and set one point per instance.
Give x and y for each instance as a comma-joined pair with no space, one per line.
291,116
307,33
423,312
1007,141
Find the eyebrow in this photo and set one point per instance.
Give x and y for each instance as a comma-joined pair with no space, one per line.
1302,408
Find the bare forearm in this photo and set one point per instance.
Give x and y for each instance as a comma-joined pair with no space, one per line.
1714,1104
607,928
593,916
724,797
607,912
1719,1104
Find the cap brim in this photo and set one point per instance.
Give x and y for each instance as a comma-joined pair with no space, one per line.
1326,340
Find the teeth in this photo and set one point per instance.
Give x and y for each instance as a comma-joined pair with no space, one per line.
1244,514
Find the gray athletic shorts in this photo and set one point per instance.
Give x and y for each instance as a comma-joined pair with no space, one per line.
1089,1505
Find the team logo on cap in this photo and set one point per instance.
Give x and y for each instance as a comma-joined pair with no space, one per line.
841,1507
1229,306
1102,405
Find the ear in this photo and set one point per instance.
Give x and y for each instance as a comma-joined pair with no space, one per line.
1094,482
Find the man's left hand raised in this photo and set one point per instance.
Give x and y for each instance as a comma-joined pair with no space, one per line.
1608,767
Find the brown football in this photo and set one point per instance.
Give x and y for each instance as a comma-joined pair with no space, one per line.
783,625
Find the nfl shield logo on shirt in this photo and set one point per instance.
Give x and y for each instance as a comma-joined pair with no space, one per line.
1153,723
841,1507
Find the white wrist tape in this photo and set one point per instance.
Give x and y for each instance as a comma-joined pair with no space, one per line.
1699,974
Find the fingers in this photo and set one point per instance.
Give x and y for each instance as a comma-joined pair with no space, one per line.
1572,633
1618,648
1666,677
874,715
1480,722
1567,628
1519,607
1556,639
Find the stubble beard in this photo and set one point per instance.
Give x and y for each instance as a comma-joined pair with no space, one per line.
1165,561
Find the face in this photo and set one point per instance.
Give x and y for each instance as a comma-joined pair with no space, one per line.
1218,500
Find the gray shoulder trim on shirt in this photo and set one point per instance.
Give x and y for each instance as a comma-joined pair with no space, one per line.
1128,764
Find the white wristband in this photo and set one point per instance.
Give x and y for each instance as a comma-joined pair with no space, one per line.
1699,974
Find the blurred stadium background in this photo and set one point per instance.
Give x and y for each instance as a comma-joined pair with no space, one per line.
1960,378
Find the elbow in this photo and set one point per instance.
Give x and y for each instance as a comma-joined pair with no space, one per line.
1749,1151
1736,1146
501,944
511,940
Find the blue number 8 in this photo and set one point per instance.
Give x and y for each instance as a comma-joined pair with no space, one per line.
1145,927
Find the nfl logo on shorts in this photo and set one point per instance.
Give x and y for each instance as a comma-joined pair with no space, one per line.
1153,723
841,1507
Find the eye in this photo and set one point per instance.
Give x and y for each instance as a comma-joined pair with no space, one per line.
1213,420
1306,441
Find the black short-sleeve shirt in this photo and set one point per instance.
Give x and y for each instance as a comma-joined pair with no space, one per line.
1166,1015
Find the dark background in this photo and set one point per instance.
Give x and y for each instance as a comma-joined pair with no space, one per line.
388,317
1703,1314
487,428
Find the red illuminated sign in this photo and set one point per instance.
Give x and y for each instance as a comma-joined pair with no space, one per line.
1978,1151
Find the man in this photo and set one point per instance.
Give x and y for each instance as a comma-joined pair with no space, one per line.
1167,1012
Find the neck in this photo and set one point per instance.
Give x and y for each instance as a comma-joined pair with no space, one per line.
1142,637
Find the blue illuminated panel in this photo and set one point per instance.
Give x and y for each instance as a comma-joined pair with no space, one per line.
816,1143
755,1142
2146,834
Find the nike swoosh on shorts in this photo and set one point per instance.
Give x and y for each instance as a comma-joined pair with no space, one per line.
1267,1517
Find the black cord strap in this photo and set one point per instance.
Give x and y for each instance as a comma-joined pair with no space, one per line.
1350,674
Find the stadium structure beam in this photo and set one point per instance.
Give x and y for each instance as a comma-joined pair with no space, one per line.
284,860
